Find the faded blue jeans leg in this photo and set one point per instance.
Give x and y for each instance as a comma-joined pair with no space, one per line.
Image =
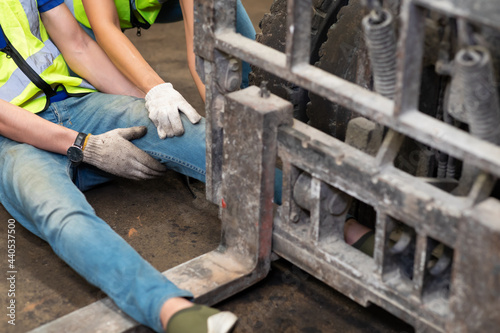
37,190
42,191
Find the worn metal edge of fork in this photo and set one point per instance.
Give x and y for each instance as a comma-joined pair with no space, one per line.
352,171
332,261
105,316
284,244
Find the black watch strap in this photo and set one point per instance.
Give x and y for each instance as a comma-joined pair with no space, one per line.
80,140
75,152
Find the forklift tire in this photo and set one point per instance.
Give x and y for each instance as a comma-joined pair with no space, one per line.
273,26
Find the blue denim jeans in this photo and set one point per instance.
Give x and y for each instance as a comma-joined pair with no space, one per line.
42,191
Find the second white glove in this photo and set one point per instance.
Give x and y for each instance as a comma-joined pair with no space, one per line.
164,104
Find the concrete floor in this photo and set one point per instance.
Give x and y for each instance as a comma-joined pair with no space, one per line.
168,226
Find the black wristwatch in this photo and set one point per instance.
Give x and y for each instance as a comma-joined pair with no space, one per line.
75,152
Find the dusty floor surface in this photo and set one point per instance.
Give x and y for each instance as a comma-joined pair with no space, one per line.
168,226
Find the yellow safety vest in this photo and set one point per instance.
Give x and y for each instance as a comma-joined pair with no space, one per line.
31,66
132,13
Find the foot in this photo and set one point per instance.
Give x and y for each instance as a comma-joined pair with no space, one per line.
359,236
366,243
201,319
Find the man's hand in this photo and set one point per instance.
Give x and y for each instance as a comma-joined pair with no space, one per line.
114,153
164,103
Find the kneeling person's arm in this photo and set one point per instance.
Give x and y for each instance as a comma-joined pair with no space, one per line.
83,55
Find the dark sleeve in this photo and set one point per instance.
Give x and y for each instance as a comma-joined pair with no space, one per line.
45,5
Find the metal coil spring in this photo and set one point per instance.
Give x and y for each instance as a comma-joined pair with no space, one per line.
474,69
381,42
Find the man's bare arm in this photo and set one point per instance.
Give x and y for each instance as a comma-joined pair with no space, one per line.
105,23
87,59
23,126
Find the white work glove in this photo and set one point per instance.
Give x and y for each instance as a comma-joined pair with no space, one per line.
164,103
114,153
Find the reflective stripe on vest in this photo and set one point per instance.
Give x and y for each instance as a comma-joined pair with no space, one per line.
145,11
17,82
28,36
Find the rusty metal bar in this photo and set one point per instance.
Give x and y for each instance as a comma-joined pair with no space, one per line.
312,78
432,214
414,124
204,13
356,174
214,110
410,54
228,70
482,11
477,251
248,170
221,74
206,24
298,38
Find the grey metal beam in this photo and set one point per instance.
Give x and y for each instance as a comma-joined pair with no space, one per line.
413,123
480,11
298,37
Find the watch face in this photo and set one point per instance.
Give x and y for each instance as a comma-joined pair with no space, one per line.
75,154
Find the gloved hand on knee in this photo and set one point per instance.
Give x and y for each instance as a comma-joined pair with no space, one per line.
114,153
164,103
